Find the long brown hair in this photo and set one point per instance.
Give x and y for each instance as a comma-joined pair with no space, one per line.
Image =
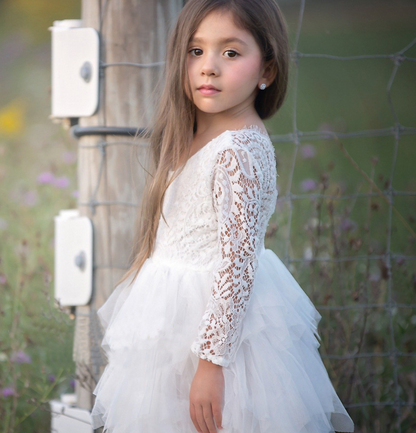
174,120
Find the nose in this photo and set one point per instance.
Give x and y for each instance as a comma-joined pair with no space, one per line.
209,65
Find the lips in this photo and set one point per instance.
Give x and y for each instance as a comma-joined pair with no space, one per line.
207,90
208,87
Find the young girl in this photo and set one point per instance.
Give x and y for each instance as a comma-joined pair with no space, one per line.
209,331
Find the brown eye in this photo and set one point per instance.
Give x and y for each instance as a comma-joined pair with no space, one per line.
234,52
195,49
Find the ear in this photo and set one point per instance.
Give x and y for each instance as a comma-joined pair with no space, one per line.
269,72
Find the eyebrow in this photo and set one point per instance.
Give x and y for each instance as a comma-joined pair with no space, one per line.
223,40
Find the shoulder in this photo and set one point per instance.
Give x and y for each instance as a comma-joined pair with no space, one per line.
245,149
247,140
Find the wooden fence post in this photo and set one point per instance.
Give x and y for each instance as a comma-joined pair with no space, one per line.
136,32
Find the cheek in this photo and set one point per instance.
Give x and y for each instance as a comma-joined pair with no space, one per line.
243,73
189,76
191,70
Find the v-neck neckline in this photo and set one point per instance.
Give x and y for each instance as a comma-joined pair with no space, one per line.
244,128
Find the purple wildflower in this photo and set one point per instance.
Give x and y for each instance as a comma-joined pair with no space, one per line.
3,279
69,157
72,383
46,177
7,392
20,357
308,185
61,182
51,378
30,198
308,151
348,225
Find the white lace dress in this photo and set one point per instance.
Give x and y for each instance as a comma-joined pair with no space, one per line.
211,290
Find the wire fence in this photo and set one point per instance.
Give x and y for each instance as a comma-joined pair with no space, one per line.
347,368
390,307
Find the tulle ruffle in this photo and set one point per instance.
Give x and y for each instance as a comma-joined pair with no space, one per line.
276,383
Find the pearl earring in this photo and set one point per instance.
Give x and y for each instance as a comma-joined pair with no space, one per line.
263,86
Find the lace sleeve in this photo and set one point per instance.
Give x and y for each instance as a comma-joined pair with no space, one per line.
236,199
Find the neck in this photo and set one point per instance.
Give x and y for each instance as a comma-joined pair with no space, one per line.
218,122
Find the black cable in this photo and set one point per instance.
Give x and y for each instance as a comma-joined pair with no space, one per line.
80,131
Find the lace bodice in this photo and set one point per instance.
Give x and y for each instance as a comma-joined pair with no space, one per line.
217,211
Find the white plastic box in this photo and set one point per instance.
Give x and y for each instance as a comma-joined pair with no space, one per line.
66,418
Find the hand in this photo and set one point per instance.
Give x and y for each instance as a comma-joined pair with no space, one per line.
205,397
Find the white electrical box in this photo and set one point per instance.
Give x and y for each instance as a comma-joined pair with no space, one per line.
75,69
73,258
66,418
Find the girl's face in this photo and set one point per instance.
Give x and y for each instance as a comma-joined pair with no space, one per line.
215,57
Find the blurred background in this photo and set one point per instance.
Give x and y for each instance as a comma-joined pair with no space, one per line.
37,178
343,81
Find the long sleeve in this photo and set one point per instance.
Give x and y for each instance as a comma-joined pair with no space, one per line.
236,200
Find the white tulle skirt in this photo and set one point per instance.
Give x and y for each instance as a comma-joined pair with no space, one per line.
277,383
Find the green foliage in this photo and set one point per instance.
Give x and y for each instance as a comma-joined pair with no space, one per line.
34,17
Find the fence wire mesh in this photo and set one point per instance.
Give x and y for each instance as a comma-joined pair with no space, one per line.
375,379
